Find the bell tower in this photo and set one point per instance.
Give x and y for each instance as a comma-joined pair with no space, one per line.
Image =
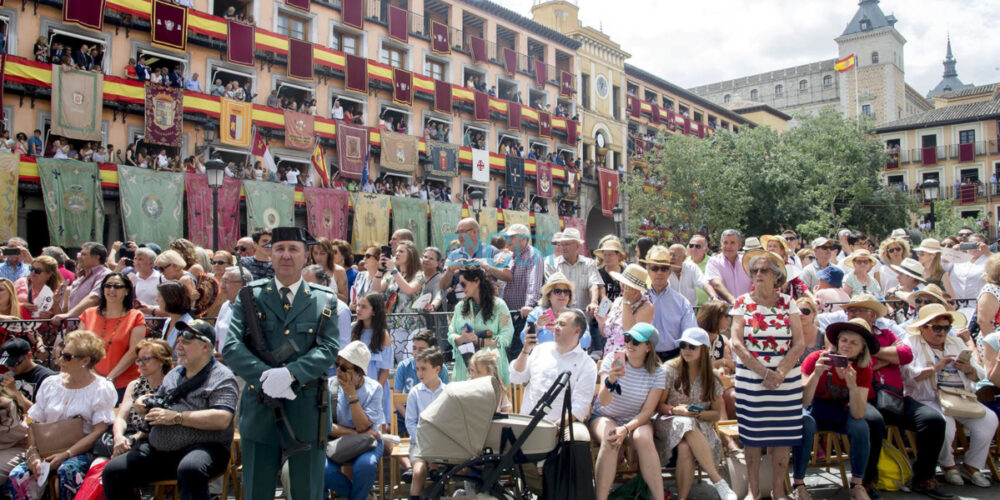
875,86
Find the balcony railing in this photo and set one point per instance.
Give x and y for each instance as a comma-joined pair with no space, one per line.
965,152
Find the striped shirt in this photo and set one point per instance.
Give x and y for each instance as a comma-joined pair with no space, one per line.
636,385
583,275
526,287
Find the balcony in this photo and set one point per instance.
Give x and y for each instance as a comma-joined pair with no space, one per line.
964,153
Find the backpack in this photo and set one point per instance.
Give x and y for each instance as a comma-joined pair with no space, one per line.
894,471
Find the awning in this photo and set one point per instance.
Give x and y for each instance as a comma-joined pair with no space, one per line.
294,86
292,159
75,35
230,150
162,55
396,110
348,99
231,72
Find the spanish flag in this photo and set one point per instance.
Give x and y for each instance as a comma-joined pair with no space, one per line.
844,64
319,163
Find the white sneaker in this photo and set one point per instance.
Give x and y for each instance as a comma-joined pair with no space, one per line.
724,491
952,476
977,478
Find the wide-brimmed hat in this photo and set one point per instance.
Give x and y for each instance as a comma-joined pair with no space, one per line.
859,253
930,312
900,233
634,276
760,252
752,243
571,234
767,238
910,267
557,278
657,255
931,291
832,275
929,245
855,325
613,245
357,354
865,301
518,230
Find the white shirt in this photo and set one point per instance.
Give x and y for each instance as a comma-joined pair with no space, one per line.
544,364
924,389
292,176
343,323
690,280
967,278
145,289
222,323
337,113
293,288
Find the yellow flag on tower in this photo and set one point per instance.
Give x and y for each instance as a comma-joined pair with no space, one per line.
844,64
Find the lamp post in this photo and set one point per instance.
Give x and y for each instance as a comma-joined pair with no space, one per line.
476,198
618,214
215,171
932,190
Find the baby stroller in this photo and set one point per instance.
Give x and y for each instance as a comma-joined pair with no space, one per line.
462,433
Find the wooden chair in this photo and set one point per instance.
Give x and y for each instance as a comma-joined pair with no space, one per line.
392,458
894,436
515,393
836,443
994,455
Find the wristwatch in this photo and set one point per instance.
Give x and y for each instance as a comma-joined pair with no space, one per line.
178,418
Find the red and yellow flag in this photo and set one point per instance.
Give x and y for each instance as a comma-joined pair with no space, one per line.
844,64
319,163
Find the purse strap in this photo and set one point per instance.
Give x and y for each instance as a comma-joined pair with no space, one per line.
930,356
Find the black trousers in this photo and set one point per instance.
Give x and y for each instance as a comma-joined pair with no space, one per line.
192,467
924,421
877,432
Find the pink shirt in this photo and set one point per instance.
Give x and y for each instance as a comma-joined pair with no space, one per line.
732,276
890,374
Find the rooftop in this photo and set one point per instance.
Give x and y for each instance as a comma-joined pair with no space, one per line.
869,17
680,92
949,80
524,22
969,90
961,113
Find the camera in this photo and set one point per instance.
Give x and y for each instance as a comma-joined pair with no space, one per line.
127,252
150,403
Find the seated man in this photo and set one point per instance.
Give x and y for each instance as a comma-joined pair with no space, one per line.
190,423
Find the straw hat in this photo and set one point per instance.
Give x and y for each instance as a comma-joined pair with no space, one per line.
657,255
900,233
771,256
910,267
571,234
752,243
929,245
357,354
931,291
518,230
767,238
859,253
611,244
930,312
634,276
865,301
855,325
557,278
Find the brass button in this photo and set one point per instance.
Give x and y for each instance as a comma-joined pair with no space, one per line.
251,386
287,332
310,330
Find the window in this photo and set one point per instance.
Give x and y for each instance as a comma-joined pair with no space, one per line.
865,24
803,85
395,118
295,93
668,103
866,109
928,141
507,89
507,141
162,59
966,136
827,81
540,149
437,129
72,42
779,89
970,214
616,101
585,90
538,99
392,56
225,76
474,79
726,99
969,174
345,42
874,57
286,163
228,155
292,25
754,95
474,137
436,69
242,10
351,105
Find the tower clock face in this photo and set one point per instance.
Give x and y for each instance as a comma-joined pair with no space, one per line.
602,87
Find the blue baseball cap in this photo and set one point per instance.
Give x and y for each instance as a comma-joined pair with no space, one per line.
644,332
832,275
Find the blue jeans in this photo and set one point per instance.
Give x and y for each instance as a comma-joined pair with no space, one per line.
365,469
826,415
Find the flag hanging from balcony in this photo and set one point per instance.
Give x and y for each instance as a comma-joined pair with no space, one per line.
77,97
440,43
300,59
199,210
444,223
398,24
482,106
152,204
514,181
513,115
260,149
966,152
571,132
581,225
86,13
326,212
478,49
488,224
572,191
298,4
74,205
546,225
655,114
399,151
543,179
411,213
236,123
635,108
169,25
269,204
299,130
442,96
352,146
509,61
164,115
371,219
352,13
844,64
356,69
240,43
540,75
443,158
3,76
566,84
544,124
318,161
402,86
10,165
481,165
608,183
511,217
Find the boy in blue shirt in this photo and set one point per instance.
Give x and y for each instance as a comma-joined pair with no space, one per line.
429,363
406,370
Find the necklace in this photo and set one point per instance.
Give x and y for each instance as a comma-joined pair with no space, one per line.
114,326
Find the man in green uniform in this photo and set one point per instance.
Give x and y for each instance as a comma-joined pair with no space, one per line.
299,345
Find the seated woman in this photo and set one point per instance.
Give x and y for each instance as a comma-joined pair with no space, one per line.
358,410
691,402
629,308
834,398
557,295
631,382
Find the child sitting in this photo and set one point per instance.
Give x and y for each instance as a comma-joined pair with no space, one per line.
406,370
484,364
429,363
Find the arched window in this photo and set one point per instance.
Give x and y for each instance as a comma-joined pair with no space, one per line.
779,89
726,99
827,81
803,85
754,95
874,57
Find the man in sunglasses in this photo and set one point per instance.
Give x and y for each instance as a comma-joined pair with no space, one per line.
25,376
673,312
16,265
245,247
824,250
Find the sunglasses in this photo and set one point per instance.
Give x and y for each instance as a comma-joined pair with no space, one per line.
634,341
760,270
241,249
342,366
694,245
37,270
562,291
189,335
964,234
895,249
67,357
806,312
687,346
941,328
791,238
862,261
921,302
220,263
113,286
659,269
143,360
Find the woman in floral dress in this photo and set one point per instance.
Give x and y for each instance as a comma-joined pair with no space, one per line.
631,307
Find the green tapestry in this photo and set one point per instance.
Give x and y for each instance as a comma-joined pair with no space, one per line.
545,226
444,222
269,204
152,204
73,203
411,213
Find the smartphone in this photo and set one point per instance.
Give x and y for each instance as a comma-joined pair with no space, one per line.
837,360
964,356
12,251
386,251
696,408
549,314
968,246
620,357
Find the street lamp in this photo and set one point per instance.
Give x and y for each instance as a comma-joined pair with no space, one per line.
476,198
618,214
932,190
215,169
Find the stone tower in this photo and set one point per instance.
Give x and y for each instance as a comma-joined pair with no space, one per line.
875,86
949,80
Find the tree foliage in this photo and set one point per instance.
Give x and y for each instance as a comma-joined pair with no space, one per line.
815,178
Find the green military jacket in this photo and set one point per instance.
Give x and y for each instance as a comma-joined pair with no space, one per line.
298,323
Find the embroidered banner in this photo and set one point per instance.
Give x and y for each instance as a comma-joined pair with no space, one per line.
488,227
442,96
326,212
356,69
511,217
397,24
298,4
169,25
571,132
73,203
513,115
440,43
509,61
236,122
540,73
352,13
481,165
572,191
152,204
580,225
10,165
546,225
77,97
411,213
543,179
164,115
300,59
352,149
515,177
299,131
608,184
199,211
566,84
478,49
544,124
399,151
371,220
269,204
482,106
443,158
444,222
402,86
240,43
85,13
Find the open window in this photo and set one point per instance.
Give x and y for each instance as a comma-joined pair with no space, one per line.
472,26
473,78
73,43
668,103
436,128
698,116
538,99
394,118
650,96
540,149
510,200
293,94
683,110
288,165
564,62
354,107
159,59
631,89
507,142
438,190
5,44
224,75
507,89
506,39
566,156
234,158
474,136
151,152
436,12
241,10
969,175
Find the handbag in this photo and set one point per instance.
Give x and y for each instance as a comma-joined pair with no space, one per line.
56,437
954,401
346,448
888,399
569,468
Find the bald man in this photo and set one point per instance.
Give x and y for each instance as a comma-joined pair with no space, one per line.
400,235
473,249
686,277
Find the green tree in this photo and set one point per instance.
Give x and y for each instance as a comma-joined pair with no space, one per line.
946,223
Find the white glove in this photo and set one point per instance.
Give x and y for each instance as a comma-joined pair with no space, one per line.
277,383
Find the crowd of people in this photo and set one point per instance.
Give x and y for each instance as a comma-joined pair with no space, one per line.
847,335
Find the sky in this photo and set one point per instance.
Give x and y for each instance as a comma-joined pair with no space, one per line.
691,43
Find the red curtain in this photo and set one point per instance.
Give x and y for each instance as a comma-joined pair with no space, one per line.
300,59
633,103
482,106
513,115
439,38
169,25
240,45
540,73
478,49
352,13
442,96
929,155
566,84
298,4
86,13
544,124
402,86
397,24
509,61
966,152
609,190
357,73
